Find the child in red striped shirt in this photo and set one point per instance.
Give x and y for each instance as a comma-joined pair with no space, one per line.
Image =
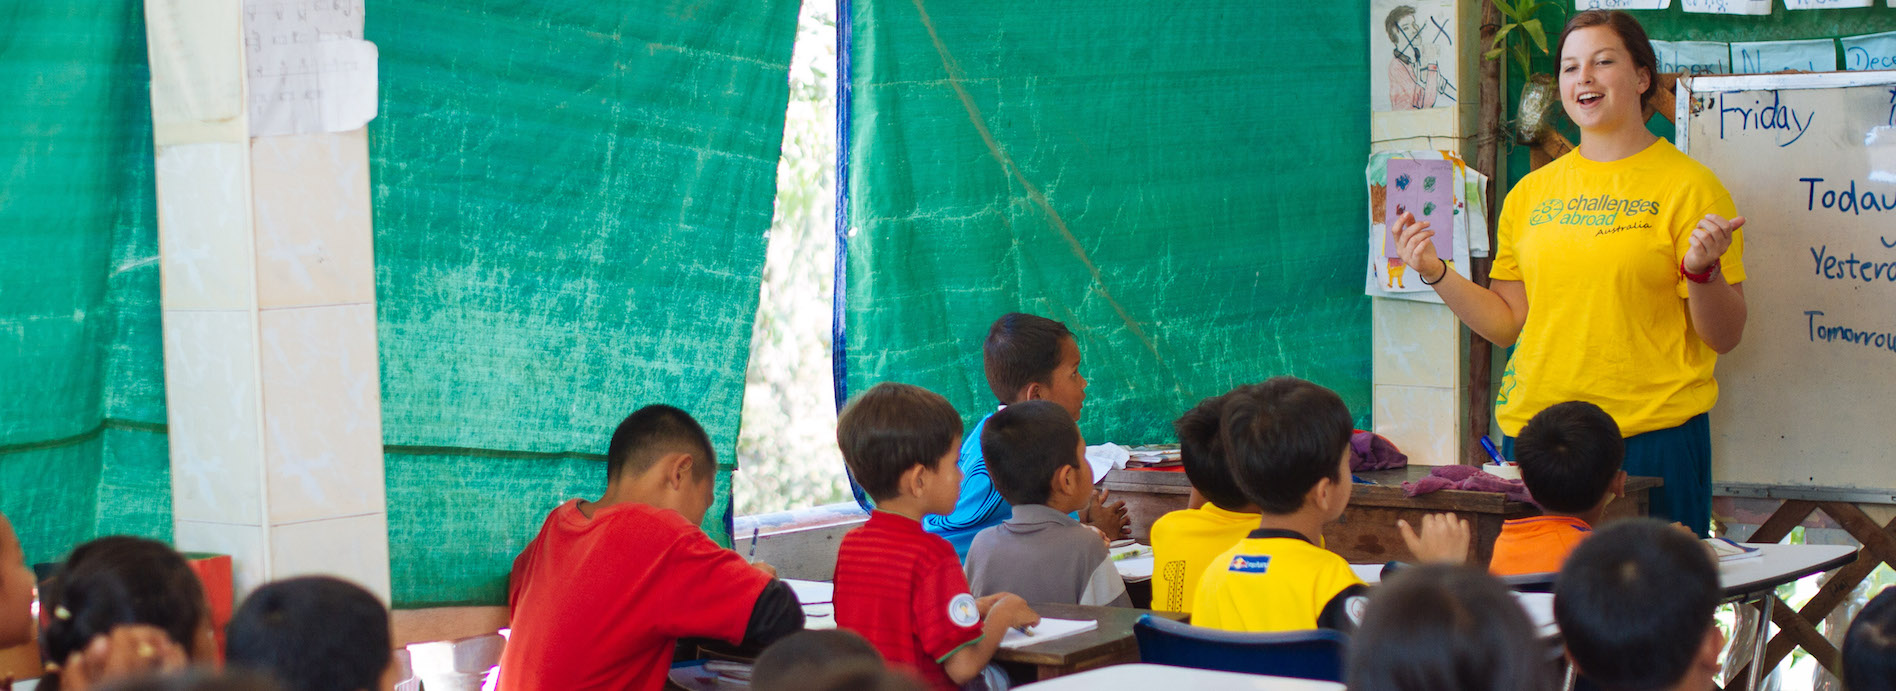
898,585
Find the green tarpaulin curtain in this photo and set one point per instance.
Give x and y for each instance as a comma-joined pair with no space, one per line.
1181,183
571,201
82,399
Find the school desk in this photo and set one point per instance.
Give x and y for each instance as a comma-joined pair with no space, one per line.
1367,533
1752,582
1110,644
1143,677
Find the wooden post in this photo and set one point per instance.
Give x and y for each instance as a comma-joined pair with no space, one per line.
1487,160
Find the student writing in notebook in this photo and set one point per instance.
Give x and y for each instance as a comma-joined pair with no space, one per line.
898,585
604,592
1040,553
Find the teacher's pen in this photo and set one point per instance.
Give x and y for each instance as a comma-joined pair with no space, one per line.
1488,446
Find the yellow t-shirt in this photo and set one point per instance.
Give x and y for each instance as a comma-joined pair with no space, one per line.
1183,543
1275,580
1597,247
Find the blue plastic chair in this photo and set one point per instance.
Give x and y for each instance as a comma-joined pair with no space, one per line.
1315,654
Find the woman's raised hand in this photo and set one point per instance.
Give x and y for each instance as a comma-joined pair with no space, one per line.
1709,241
1416,243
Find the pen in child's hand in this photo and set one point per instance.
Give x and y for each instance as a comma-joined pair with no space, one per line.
753,550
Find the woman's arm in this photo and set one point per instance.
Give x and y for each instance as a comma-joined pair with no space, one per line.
1717,308
1495,313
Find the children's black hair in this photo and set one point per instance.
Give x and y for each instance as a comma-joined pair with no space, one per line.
1021,349
794,661
1282,437
1024,445
1569,455
652,432
1201,450
1634,602
1446,628
197,679
891,428
113,581
1869,649
313,633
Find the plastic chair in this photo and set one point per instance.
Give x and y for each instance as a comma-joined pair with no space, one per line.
1315,654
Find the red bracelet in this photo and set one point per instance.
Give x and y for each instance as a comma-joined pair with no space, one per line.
1698,278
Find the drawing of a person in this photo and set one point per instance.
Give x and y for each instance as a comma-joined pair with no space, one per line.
1415,74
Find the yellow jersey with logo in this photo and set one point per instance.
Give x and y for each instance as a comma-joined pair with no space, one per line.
1183,543
1597,247
1277,580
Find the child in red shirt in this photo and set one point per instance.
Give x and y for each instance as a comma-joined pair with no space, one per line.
601,596
898,585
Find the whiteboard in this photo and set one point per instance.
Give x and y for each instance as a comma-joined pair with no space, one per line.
1806,400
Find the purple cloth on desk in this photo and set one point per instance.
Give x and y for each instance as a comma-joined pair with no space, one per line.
1468,478
1371,452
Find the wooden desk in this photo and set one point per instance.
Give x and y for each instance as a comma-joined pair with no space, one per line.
1110,644
1367,532
1138,677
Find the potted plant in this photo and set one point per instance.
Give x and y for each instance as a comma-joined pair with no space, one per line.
1539,94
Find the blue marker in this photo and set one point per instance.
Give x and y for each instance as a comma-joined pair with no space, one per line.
1493,453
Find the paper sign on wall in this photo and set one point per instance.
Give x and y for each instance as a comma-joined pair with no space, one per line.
1870,52
1621,4
307,66
1693,57
1413,60
1776,56
1825,4
1757,7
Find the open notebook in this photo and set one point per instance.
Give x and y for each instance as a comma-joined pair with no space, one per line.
1047,630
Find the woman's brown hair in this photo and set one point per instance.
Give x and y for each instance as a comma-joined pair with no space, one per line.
1630,33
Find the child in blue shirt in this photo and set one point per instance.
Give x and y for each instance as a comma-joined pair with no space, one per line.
1026,358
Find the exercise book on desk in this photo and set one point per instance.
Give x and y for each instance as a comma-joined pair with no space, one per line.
1047,630
1133,561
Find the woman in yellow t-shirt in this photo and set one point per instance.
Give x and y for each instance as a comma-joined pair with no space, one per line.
1631,256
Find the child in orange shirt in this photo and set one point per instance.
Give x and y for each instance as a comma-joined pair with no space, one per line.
1570,458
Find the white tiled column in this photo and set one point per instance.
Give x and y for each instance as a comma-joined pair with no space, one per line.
1421,349
272,382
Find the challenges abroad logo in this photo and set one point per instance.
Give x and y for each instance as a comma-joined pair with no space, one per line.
1593,210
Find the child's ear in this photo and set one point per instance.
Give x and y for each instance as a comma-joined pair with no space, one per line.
1709,653
914,481
1619,485
1032,391
678,469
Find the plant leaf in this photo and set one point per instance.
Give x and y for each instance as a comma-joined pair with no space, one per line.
1534,31
1490,55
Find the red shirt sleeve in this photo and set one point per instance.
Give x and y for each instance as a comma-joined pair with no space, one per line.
517,580
945,614
708,590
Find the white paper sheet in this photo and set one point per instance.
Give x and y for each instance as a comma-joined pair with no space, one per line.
1870,51
1752,7
1819,55
308,68
1825,4
1047,630
1693,57
1621,4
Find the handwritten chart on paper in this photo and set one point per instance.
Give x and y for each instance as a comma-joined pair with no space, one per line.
308,68
1804,400
1424,189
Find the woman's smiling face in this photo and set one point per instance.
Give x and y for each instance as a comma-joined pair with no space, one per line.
1600,86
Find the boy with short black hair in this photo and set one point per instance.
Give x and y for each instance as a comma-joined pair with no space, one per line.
896,584
1569,455
601,596
1041,553
1288,444
1635,603
1026,358
1184,542
313,633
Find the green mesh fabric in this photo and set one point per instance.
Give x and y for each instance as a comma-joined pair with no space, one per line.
571,201
1180,183
82,403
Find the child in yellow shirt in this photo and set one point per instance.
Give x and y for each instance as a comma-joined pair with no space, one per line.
1185,542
